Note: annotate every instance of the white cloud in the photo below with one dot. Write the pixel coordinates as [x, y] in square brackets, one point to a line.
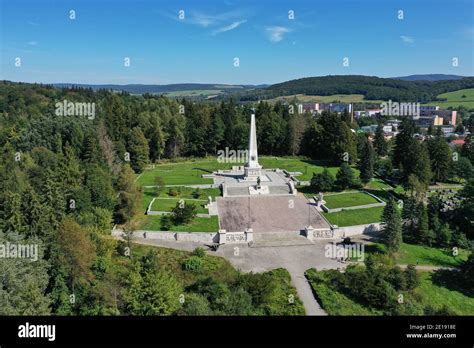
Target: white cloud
[275, 34]
[206, 20]
[32, 43]
[229, 27]
[407, 39]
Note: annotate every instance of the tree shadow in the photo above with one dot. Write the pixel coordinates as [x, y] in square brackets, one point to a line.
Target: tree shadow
[203, 170]
[451, 280]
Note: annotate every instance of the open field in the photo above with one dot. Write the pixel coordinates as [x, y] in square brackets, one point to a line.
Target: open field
[443, 288]
[199, 224]
[342, 98]
[194, 93]
[348, 200]
[355, 217]
[463, 97]
[422, 255]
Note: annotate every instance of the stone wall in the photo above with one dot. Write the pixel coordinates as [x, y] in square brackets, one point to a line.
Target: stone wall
[200, 237]
[348, 231]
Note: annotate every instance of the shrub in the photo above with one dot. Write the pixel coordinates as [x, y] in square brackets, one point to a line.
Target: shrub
[323, 181]
[166, 222]
[199, 252]
[193, 264]
[172, 192]
[184, 214]
[412, 277]
[196, 193]
[121, 247]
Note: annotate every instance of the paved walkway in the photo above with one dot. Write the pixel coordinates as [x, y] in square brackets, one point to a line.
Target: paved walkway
[296, 259]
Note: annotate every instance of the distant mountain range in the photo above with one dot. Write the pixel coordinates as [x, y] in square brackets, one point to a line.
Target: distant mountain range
[206, 88]
[429, 77]
[422, 88]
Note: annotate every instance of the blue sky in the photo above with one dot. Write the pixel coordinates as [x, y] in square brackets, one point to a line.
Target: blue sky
[201, 48]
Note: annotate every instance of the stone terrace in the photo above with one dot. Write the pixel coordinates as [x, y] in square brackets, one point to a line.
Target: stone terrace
[268, 214]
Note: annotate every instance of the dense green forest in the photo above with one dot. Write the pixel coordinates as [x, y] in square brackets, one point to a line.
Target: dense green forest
[66, 179]
[373, 88]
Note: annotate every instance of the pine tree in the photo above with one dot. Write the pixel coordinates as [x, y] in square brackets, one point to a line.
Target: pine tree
[440, 156]
[215, 133]
[139, 150]
[157, 143]
[422, 165]
[423, 233]
[367, 162]
[392, 226]
[380, 145]
[345, 177]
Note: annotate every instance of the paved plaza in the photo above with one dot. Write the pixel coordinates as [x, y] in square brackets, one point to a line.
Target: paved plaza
[268, 214]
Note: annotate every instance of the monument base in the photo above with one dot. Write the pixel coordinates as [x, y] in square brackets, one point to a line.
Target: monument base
[252, 173]
[262, 190]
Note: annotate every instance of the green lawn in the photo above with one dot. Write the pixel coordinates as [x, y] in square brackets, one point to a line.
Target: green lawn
[153, 223]
[377, 184]
[189, 172]
[183, 173]
[455, 99]
[355, 217]
[167, 204]
[442, 288]
[149, 193]
[422, 255]
[294, 164]
[348, 200]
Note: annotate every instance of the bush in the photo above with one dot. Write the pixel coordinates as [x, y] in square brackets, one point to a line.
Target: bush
[412, 278]
[199, 252]
[345, 178]
[172, 192]
[322, 182]
[121, 247]
[195, 304]
[193, 264]
[166, 222]
[184, 213]
[196, 193]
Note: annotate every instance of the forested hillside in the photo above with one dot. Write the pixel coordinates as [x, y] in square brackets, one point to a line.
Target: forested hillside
[373, 88]
[65, 180]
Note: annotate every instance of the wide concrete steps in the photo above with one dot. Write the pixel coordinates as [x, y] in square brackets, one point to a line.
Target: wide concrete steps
[278, 239]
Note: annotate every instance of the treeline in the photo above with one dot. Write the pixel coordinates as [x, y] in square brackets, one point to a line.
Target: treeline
[373, 88]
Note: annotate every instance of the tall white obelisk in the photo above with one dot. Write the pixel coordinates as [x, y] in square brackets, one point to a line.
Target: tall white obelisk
[252, 169]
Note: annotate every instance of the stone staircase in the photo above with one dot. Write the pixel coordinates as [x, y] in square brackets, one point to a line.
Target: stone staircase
[278, 239]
